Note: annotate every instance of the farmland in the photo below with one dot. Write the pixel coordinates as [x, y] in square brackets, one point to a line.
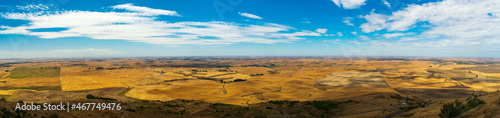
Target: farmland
[331, 86]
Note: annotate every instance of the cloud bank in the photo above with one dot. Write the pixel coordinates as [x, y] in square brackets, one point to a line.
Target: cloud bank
[449, 24]
[140, 24]
[90, 52]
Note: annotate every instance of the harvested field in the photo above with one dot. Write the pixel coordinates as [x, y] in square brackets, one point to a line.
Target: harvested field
[354, 79]
[215, 76]
[485, 69]
[3, 75]
[38, 81]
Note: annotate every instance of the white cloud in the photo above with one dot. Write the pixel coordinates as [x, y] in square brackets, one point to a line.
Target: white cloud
[386, 3]
[4, 27]
[354, 33]
[456, 23]
[349, 4]
[145, 10]
[141, 25]
[408, 39]
[329, 34]
[391, 35]
[321, 30]
[364, 38]
[407, 46]
[61, 53]
[336, 41]
[355, 42]
[33, 7]
[339, 34]
[375, 22]
[250, 15]
[347, 20]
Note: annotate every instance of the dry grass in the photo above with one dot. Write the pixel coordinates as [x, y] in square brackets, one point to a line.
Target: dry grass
[4, 75]
[421, 83]
[354, 79]
[42, 81]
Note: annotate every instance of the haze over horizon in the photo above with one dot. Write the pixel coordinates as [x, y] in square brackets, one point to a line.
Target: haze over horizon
[130, 28]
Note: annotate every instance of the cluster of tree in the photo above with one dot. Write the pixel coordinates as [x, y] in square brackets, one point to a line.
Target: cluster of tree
[254, 65]
[272, 65]
[160, 72]
[90, 96]
[454, 109]
[102, 68]
[324, 105]
[239, 80]
[5, 65]
[257, 74]
[236, 80]
[413, 106]
[194, 70]
[225, 70]
[99, 68]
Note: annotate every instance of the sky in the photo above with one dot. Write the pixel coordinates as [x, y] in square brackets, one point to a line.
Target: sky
[133, 28]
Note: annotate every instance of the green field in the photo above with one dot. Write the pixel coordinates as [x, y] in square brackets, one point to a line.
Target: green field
[27, 72]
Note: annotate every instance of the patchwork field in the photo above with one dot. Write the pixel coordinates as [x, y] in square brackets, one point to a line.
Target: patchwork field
[354, 79]
[253, 81]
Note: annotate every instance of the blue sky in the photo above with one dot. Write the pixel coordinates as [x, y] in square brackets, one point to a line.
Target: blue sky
[128, 28]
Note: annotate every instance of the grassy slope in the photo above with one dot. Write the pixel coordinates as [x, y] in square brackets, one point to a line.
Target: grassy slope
[487, 110]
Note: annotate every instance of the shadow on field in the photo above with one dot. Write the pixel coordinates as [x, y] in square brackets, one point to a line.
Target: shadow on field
[435, 93]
